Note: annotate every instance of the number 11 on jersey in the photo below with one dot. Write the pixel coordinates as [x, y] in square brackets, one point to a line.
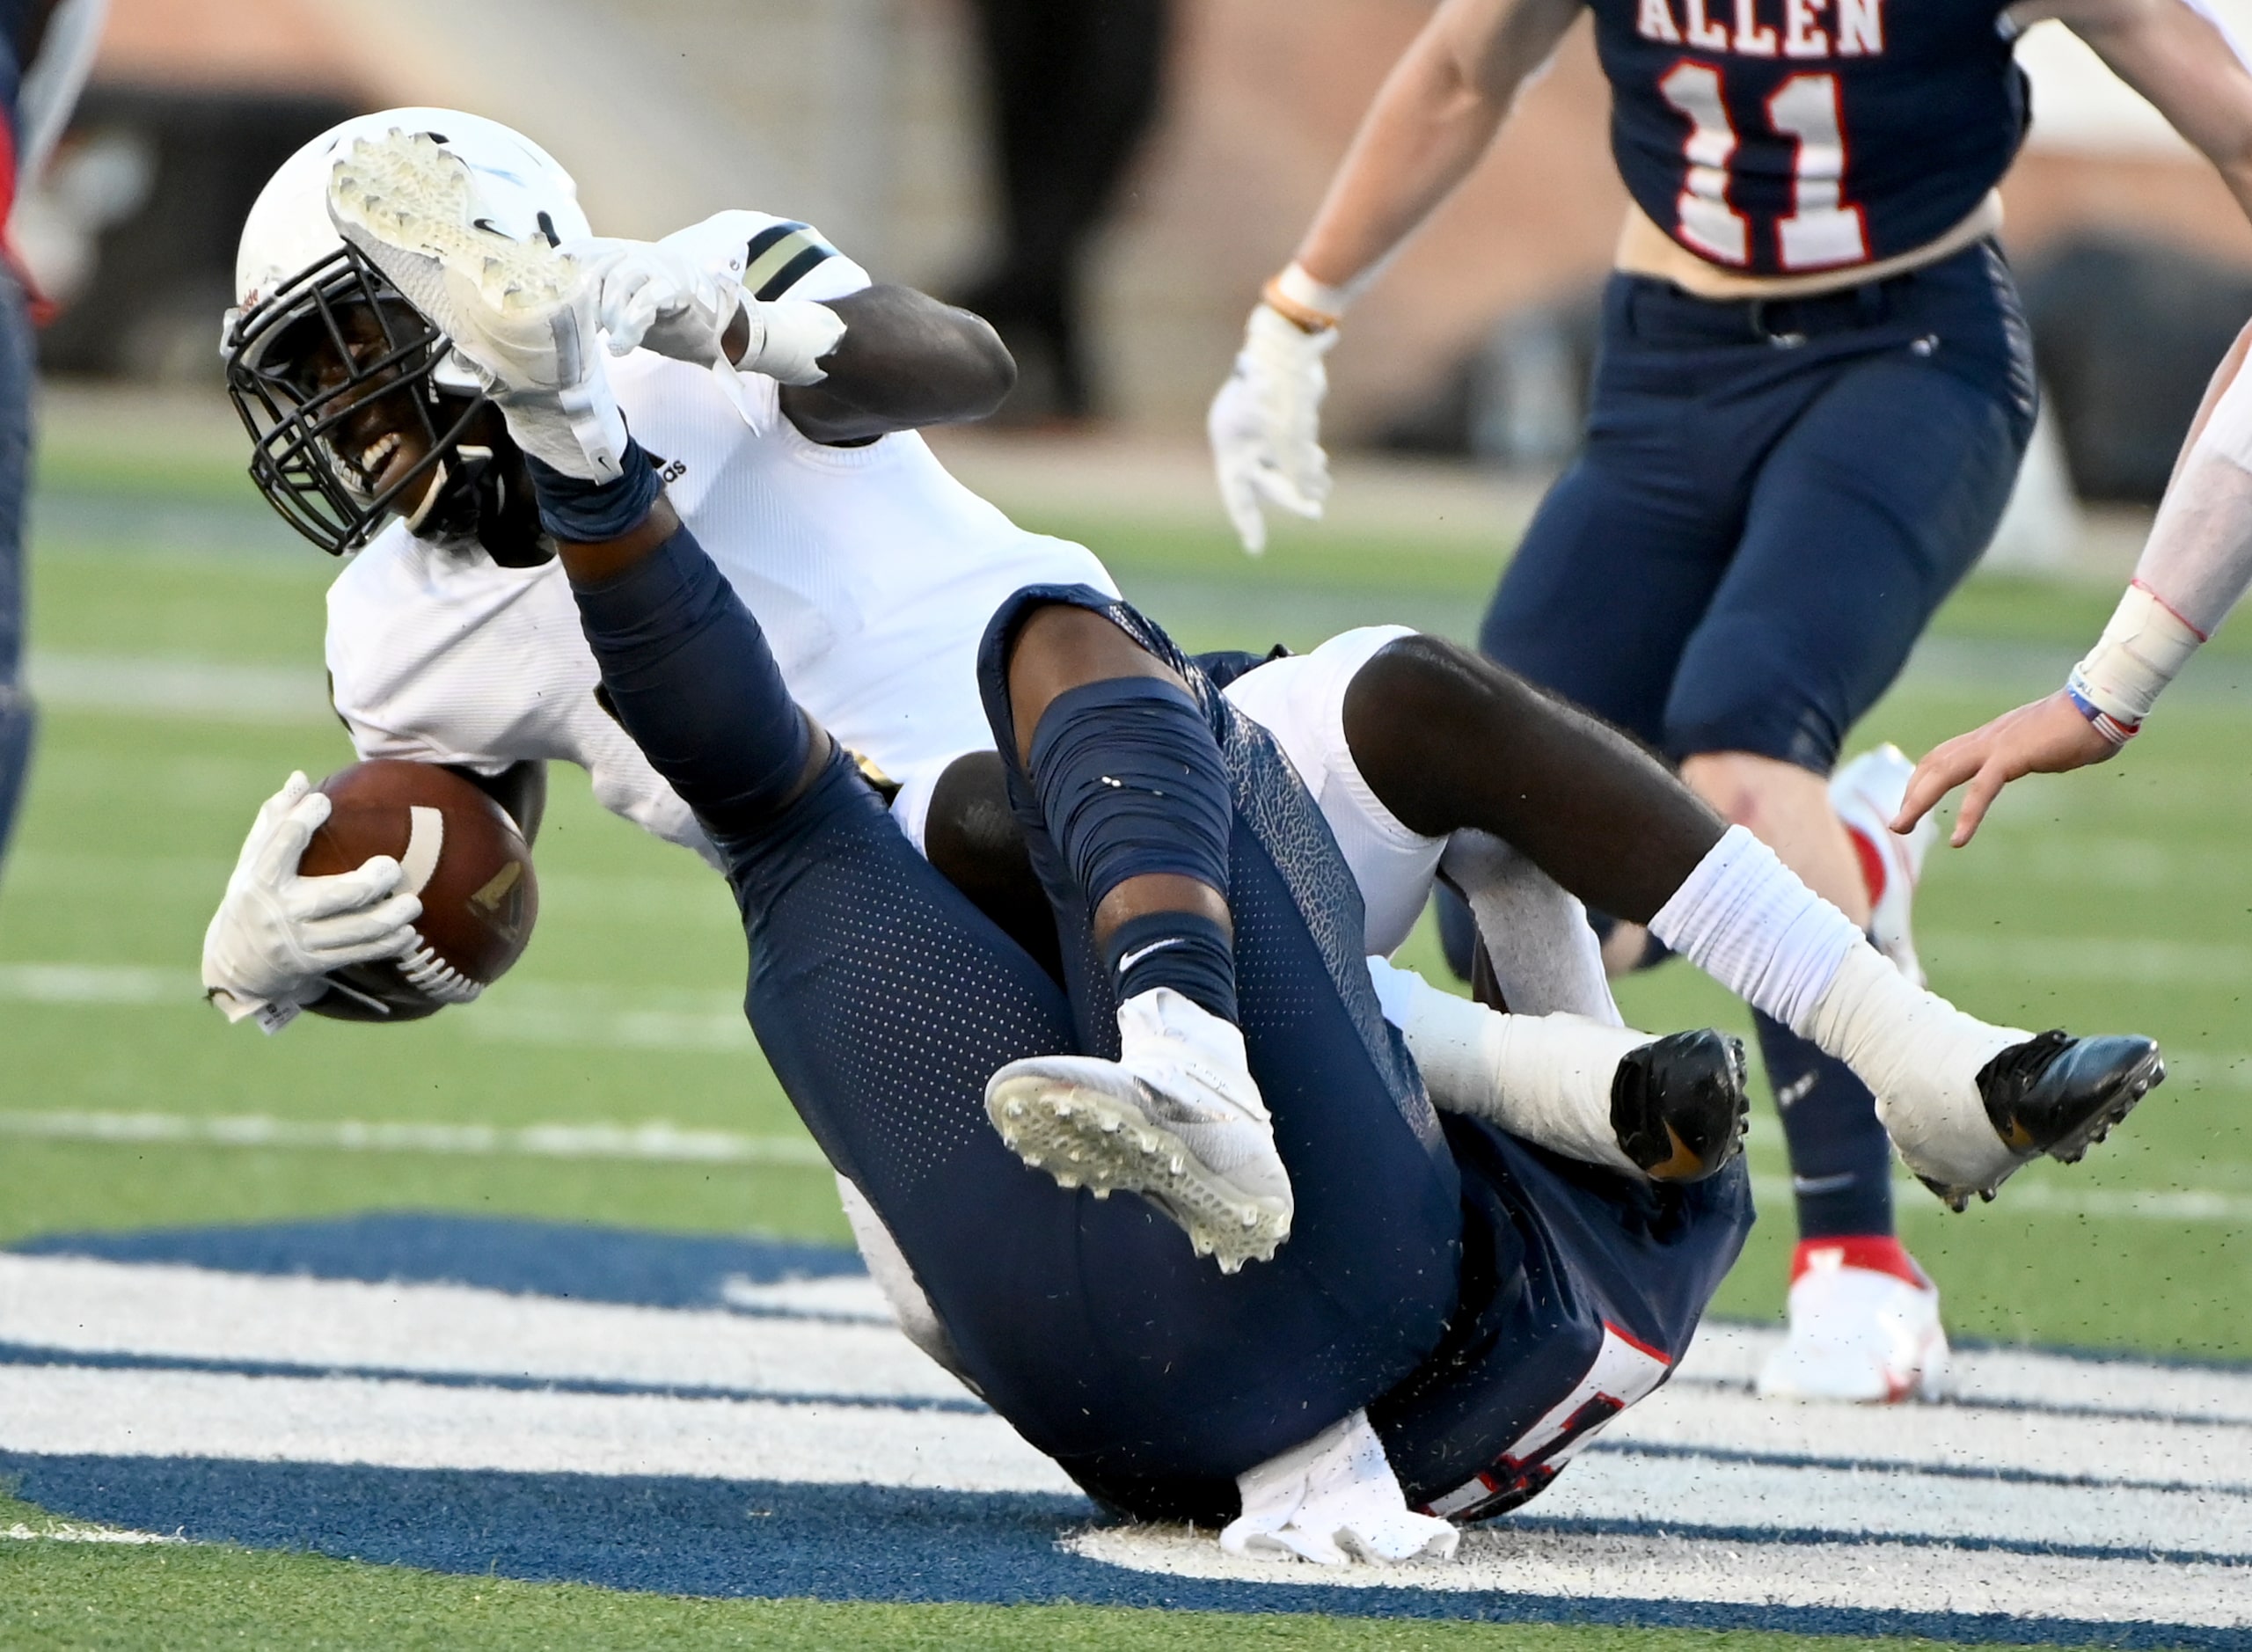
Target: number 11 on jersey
[1823, 230]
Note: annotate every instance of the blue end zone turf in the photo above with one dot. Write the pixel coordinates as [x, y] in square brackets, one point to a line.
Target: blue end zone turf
[154, 1400]
[779, 1541]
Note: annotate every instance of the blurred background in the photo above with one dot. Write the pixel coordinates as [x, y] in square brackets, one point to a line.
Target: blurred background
[1112, 188]
[1197, 136]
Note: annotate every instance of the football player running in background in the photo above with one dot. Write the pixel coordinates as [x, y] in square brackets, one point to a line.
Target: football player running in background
[2195, 567]
[1813, 392]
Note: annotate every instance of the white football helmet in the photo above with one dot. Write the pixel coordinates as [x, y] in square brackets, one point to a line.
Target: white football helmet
[317, 336]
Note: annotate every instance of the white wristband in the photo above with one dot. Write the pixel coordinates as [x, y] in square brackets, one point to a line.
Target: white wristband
[2142, 650]
[1303, 289]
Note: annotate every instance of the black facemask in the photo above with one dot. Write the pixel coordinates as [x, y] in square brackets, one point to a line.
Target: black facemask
[334, 343]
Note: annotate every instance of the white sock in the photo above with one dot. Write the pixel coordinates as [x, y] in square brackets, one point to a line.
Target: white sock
[1544, 1077]
[1750, 923]
[1921, 1056]
[1544, 954]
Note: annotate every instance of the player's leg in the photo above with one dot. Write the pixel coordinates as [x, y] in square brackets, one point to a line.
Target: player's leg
[1116, 767]
[1449, 740]
[1618, 563]
[1867, 513]
[17, 716]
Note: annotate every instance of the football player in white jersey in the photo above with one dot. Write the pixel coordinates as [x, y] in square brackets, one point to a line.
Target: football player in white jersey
[364, 382]
[452, 639]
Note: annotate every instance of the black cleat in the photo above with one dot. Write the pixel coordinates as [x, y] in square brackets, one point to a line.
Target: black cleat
[2057, 1094]
[1679, 1106]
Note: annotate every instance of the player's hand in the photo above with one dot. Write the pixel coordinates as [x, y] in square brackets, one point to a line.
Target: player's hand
[1265, 425]
[277, 933]
[651, 296]
[661, 296]
[2049, 736]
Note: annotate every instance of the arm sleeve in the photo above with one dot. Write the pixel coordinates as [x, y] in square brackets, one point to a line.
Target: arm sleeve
[2198, 559]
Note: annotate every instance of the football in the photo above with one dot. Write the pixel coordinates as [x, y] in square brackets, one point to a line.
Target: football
[462, 854]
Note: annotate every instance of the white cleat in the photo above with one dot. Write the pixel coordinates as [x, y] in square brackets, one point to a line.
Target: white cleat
[1867, 793]
[1864, 1326]
[518, 310]
[1176, 1118]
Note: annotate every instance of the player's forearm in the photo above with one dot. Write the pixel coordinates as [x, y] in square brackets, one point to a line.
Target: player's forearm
[1421, 138]
[906, 361]
[2195, 567]
[1432, 121]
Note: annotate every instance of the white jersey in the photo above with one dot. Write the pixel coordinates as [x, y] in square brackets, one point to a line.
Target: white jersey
[871, 569]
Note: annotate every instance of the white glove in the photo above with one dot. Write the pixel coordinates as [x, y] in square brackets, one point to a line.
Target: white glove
[659, 298]
[1334, 1500]
[276, 934]
[1265, 425]
[668, 296]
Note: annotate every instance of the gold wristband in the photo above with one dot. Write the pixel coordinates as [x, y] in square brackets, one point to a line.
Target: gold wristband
[1305, 318]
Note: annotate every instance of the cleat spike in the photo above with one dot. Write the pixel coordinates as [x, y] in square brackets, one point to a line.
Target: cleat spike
[1101, 1191]
[1065, 1179]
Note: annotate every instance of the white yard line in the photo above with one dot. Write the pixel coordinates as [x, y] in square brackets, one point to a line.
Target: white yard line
[663, 1142]
[1702, 1494]
[72, 1410]
[687, 1020]
[1669, 1570]
[655, 1141]
[87, 1306]
[80, 1410]
[65, 1531]
[208, 690]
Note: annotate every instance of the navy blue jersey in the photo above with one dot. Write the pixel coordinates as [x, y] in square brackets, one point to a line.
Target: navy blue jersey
[1782, 137]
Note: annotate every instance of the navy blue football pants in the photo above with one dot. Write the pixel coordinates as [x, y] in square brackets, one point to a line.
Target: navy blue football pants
[885, 1001]
[1773, 499]
[17, 719]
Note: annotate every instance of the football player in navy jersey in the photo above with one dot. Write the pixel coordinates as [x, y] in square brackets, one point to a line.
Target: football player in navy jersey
[1813, 392]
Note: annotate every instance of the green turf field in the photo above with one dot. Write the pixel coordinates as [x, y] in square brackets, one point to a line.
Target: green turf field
[177, 630]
